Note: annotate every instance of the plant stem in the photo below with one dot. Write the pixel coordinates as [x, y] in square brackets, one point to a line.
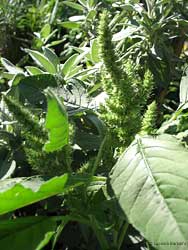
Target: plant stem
[99, 234]
[122, 234]
[99, 155]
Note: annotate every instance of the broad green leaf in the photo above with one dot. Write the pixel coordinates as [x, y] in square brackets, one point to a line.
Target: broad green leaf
[26, 233]
[98, 123]
[42, 61]
[50, 54]
[19, 192]
[149, 181]
[70, 25]
[34, 70]
[74, 5]
[10, 67]
[68, 65]
[56, 123]
[88, 141]
[41, 81]
[31, 87]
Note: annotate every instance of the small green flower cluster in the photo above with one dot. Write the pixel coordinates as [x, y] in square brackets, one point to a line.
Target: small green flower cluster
[150, 120]
[34, 137]
[127, 90]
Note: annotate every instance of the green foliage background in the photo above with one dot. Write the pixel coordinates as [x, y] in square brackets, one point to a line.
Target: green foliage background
[93, 124]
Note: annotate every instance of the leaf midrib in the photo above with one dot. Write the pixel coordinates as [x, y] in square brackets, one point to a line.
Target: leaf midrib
[141, 150]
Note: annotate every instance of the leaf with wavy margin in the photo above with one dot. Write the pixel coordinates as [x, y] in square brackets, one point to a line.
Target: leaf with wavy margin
[19, 192]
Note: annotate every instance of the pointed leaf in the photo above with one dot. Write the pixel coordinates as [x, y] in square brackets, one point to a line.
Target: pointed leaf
[74, 5]
[7, 168]
[124, 33]
[42, 61]
[46, 30]
[149, 181]
[77, 18]
[10, 67]
[56, 123]
[34, 70]
[19, 192]
[31, 87]
[70, 25]
[68, 65]
[50, 54]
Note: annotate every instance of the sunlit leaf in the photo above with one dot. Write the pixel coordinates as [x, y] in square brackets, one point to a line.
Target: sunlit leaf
[42, 61]
[149, 181]
[56, 123]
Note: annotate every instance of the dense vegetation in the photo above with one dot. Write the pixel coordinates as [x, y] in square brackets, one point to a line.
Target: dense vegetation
[94, 125]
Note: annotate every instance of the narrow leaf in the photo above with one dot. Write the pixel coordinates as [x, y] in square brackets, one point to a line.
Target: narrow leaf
[34, 70]
[74, 5]
[124, 34]
[42, 61]
[46, 30]
[54, 11]
[184, 90]
[45, 241]
[77, 18]
[83, 2]
[95, 51]
[50, 54]
[10, 67]
[7, 168]
[70, 25]
[68, 65]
